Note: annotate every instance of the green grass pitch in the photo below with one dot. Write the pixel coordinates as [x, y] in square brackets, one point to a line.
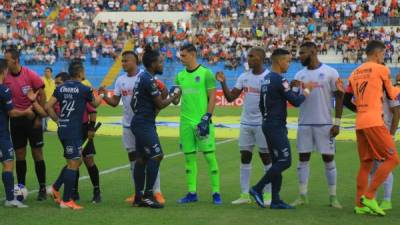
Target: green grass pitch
[116, 185]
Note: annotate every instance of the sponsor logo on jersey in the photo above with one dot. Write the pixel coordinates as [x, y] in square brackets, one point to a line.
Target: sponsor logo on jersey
[64, 89]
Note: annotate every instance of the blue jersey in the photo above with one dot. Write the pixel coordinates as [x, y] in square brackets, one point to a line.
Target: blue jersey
[5, 106]
[72, 97]
[144, 91]
[275, 92]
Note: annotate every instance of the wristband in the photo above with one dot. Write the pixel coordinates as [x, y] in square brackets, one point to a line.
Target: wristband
[337, 122]
[307, 91]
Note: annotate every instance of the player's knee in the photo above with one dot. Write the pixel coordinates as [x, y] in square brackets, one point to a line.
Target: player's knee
[131, 155]
[304, 157]
[265, 158]
[246, 156]
[328, 158]
[89, 161]
[8, 166]
[20, 154]
[158, 158]
[37, 154]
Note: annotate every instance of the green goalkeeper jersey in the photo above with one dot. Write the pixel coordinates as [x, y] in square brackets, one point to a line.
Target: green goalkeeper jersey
[194, 99]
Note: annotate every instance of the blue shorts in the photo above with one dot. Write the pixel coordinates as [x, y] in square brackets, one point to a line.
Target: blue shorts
[72, 148]
[147, 141]
[278, 142]
[6, 149]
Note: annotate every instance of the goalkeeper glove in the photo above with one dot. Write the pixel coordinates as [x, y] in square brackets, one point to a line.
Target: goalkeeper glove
[203, 128]
[174, 90]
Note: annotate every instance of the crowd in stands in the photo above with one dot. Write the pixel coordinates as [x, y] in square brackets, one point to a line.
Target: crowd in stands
[222, 29]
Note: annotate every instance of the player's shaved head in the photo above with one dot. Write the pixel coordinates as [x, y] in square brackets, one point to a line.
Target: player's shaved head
[278, 54]
[259, 51]
[308, 53]
[309, 45]
[75, 69]
[374, 46]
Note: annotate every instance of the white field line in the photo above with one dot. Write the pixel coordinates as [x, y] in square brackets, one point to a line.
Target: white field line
[114, 169]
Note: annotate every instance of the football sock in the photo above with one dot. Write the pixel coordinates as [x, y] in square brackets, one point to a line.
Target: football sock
[20, 167]
[75, 189]
[139, 178]
[380, 175]
[8, 182]
[387, 187]
[157, 184]
[40, 169]
[276, 183]
[191, 171]
[133, 171]
[152, 169]
[94, 176]
[69, 184]
[60, 179]
[330, 173]
[267, 188]
[245, 173]
[303, 173]
[213, 171]
[362, 179]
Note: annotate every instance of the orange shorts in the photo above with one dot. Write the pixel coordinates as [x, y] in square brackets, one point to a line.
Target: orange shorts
[375, 143]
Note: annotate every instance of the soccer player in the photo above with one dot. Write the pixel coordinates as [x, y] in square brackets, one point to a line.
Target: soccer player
[88, 124]
[146, 101]
[72, 97]
[20, 80]
[316, 129]
[6, 148]
[123, 91]
[275, 91]
[196, 129]
[49, 87]
[251, 133]
[391, 116]
[367, 85]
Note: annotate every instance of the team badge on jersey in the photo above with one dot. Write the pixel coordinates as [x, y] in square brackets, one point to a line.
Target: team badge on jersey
[197, 79]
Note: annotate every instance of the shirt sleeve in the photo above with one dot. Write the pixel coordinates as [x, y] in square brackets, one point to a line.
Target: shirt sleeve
[6, 99]
[210, 80]
[289, 95]
[36, 80]
[391, 91]
[239, 83]
[56, 94]
[117, 88]
[151, 87]
[89, 94]
[334, 80]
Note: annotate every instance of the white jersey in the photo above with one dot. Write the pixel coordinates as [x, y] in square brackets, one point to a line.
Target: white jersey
[124, 88]
[316, 109]
[251, 85]
[387, 113]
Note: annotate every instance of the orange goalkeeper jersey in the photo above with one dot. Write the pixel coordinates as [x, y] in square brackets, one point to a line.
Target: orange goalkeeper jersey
[368, 83]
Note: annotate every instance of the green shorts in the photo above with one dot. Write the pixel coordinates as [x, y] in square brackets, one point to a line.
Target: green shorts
[190, 142]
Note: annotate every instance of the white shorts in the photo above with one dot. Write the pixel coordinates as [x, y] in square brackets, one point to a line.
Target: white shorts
[128, 139]
[317, 138]
[250, 136]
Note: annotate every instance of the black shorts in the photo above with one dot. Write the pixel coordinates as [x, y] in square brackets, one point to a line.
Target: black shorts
[23, 130]
[88, 149]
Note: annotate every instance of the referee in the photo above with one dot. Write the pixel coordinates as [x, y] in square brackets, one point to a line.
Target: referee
[20, 80]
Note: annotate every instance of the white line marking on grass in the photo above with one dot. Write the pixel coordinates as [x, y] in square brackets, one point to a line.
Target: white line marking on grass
[114, 169]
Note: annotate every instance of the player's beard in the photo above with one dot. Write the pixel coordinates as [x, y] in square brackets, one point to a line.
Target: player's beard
[306, 62]
[159, 72]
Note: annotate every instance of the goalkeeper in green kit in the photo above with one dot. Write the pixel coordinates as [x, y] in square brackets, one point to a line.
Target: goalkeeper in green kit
[197, 133]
